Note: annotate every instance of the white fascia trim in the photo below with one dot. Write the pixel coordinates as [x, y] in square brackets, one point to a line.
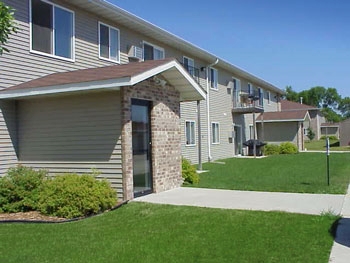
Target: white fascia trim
[289, 120]
[82, 86]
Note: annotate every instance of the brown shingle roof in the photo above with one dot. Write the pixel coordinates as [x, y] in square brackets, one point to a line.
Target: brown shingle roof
[279, 116]
[287, 105]
[92, 74]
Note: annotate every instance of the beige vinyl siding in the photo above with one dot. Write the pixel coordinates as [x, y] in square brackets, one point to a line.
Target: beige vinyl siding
[8, 135]
[73, 134]
[14, 65]
[277, 132]
[189, 112]
[221, 112]
[345, 133]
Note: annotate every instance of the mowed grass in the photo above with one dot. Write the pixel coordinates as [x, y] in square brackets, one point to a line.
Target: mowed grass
[298, 173]
[320, 145]
[140, 232]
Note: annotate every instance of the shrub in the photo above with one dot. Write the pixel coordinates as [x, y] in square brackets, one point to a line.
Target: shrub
[73, 195]
[271, 149]
[311, 134]
[288, 148]
[19, 189]
[189, 173]
[331, 137]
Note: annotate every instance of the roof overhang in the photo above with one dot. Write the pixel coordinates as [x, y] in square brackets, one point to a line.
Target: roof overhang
[171, 71]
[275, 120]
[118, 15]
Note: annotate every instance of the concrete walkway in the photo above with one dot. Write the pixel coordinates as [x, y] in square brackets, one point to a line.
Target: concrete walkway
[313, 204]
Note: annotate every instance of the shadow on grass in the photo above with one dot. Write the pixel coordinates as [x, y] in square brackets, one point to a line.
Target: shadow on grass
[336, 144]
[340, 230]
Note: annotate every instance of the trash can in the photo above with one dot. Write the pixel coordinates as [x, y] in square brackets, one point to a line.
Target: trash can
[258, 147]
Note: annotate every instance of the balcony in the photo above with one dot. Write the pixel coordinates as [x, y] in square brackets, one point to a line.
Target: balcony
[246, 103]
[194, 72]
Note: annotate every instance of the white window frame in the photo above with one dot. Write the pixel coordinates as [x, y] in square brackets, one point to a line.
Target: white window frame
[215, 125]
[188, 59]
[192, 134]
[154, 47]
[72, 59]
[109, 49]
[214, 83]
[268, 97]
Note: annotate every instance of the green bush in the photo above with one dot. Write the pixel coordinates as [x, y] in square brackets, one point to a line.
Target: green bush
[73, 195]
[288, 148]
[331, 137]
[271, 149]
[19, 189]
[189, 173]
[311, 134]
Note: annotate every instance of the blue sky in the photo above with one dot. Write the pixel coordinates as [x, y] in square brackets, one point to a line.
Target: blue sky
[302, 43]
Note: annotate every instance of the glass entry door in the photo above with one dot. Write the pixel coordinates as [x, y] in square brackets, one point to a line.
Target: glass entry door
[238, 140]
[141, 145]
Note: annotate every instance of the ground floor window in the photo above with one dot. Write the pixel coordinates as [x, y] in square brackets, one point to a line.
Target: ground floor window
[215, 132]
[190, 133]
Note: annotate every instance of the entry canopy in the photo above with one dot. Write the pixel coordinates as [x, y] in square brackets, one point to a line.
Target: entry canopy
[110, 77]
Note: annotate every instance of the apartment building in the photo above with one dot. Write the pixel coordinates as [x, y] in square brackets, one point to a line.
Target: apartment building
[89, 85]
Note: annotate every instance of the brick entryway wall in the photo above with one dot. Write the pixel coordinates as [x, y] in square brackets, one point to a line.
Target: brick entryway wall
[166, 135]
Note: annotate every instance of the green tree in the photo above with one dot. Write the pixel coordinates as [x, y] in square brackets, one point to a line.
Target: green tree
[331, 98]
[344, 107]
[331, 115]
[315, 96]
[291, 95]
[7, 25]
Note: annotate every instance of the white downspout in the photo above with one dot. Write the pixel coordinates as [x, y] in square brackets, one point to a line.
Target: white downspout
[208, 109]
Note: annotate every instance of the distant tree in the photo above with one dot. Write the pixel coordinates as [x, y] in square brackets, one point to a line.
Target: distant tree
[7, 25]
[331, 98]
[291, 95]
[344, 107]
[331, 115]
[315, 96]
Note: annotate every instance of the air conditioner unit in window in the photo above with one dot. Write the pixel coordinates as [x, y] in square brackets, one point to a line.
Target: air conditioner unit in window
[135, 53]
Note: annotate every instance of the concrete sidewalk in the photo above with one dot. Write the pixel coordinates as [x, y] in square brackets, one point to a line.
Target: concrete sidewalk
[313, 204]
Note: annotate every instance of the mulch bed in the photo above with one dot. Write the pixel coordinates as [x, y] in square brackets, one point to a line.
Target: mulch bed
[36, 217]
[32, 216]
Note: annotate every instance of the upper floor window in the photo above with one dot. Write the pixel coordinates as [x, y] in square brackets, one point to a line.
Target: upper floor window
[190, 133]
[268, 97]
[109, 42]
[152, 52]
[52, 29]
[261, 96]
[213, 78]
[250, 89]
[189, 65]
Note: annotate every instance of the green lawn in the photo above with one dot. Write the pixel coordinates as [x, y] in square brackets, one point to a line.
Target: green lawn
[140, 232]
[300, 173]
[320, 145]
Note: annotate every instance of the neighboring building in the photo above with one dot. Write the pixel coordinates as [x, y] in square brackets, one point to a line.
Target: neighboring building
[284, 126]
[344, 128]
[316, 117]
[76, 95]
[330, 129]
